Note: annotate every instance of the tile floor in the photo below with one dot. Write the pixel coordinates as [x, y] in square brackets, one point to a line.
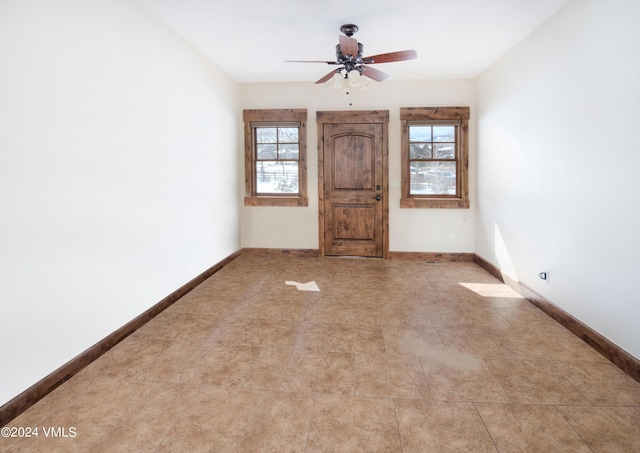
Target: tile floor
[389, 356]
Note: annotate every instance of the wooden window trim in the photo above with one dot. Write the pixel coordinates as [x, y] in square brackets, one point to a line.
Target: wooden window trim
[274, 116]
[416, 114]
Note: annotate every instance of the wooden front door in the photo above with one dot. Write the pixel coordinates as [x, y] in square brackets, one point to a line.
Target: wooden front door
[353, 183]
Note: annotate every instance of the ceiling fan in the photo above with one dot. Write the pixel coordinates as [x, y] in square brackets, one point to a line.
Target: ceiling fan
[349, 58]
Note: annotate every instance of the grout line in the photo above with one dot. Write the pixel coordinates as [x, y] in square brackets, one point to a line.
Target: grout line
[395, 411]
[309, 425]
[572, 427]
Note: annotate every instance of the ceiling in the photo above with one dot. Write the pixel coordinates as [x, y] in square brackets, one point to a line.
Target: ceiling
[250, 40]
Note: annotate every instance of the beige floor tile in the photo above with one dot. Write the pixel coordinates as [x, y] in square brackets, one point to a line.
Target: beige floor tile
[174, 325]
[390, 375]
[280, 307]
[530, 428]
[427, 426]
[602, 383]
[606, 429]
[258, 332]
[365, 339]
[475, 341]
[55, 401]
[269, 369]
[128, 359]
[528, 317]
[228, 366]
[331, 372]
[351, 311]
[474, 315]
[535, 382]
[207, 301]
[530, 345]
[558, 345]
[174, 364]
[410, 313]
[469, 379]
[353, 424]
[112, 415]
[577, 350]
[311, 336]
[241, 420]
[420, 340]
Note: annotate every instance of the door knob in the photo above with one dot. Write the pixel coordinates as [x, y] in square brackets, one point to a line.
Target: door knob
[378, 197]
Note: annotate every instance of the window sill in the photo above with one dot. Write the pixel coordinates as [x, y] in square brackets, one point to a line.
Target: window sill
[444, 203]
[276, 201]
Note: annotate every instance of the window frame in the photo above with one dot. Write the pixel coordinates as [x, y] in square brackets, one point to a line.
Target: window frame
[272, 118]
[458, 116]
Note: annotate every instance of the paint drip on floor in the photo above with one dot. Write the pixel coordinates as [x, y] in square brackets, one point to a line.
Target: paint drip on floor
[309, 286]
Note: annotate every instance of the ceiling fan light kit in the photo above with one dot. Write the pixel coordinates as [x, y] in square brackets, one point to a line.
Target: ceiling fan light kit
[349, 57]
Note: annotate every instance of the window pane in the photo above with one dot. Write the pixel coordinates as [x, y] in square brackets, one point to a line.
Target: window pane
[417, 178]
[276, 177]
[288, 135]
[420, 151]
[288, 151]
[266, 135]
[420, 133]
[267, 151]
[444, 133]
[434, 178]
[445, 150]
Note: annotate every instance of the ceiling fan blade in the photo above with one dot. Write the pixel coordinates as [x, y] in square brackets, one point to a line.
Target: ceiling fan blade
[391, 57]
[349, 46]
[327, 77]
[374, 74]
[311, 61]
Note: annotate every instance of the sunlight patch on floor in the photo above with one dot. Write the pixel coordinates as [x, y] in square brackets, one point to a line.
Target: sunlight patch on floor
[492, 290]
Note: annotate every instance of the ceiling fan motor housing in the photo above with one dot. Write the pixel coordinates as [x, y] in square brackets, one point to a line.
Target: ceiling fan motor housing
[342, 59]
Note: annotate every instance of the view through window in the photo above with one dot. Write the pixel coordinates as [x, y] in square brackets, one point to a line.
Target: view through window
[435, 157]
[275, 142]
[432, 158]
[277, 154]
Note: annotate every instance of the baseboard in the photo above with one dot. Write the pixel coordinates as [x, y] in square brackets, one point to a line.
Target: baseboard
[404, 256]
[615, 354]
[39, 390]
[487, 266]
[432, 257]
[300, 253]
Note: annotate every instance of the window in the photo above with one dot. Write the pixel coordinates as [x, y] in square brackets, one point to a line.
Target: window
[275, 144]
[435, 157]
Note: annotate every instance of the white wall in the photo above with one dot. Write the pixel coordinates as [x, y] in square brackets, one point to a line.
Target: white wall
[558, 162]
[417, 230]
[118, 147]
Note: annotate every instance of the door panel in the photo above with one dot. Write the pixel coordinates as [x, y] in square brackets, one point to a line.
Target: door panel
[352, 189]
[353, 162]
[353, 222]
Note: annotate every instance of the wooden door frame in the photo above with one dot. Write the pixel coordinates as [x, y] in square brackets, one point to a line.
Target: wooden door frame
[361, 117]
